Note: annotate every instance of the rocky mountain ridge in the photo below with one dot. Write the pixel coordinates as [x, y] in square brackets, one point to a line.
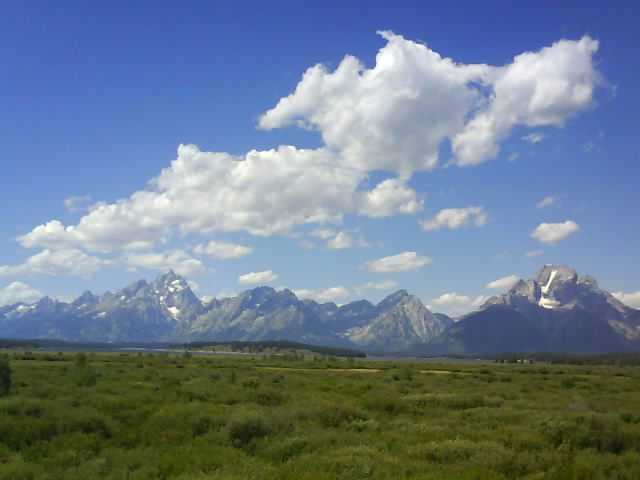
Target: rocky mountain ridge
[557, 310]
[166, 309]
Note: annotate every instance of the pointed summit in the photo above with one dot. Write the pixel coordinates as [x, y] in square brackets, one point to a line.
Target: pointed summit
[87, 299]
[169, 282]
[555, 273]
[393, 299]
[134, 288]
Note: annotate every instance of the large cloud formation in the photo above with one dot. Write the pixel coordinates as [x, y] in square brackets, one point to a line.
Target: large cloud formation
[264, 193]
[394, 116]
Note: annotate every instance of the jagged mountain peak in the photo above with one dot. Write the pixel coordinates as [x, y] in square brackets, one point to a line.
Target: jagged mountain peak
[587, 281]
[265, 297]
[557, 310]
[134, 288]
[393, 299]
[555, 273]
[169, 282]
[45, 302]
[86, 299]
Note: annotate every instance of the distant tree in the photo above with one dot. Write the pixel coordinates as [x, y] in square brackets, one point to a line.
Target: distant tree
[5, 375]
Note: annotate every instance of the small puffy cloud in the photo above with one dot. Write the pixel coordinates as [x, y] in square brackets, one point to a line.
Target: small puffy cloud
[402, 262]
[513, 157]
[257, 277]
[533, 253]
[18, 292]
[388, 198]
[341, 240]
[533, 137]
[552, 233]
[67, 262]
[454, 303]
[331, 294]
[546, 201]
[631, 299]
[177, 260]
[223, 250]
[75, 204]
[504, 283]
[455, 218]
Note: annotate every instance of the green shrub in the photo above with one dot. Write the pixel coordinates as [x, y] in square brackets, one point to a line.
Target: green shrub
[5, 375]
[243, 430]
[81, 360]
[270, 398]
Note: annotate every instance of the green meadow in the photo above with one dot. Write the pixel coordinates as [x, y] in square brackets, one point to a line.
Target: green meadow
[181, 416]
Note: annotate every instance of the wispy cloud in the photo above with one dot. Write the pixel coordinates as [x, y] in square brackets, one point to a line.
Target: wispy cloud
[266, 276]
[402, 262]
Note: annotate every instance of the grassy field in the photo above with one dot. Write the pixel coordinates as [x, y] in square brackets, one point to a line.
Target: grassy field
[130, 416]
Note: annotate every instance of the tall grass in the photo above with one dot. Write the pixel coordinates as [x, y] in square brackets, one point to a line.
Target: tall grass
[187, 417]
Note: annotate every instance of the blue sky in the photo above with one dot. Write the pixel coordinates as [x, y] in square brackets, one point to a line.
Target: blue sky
[460, 145]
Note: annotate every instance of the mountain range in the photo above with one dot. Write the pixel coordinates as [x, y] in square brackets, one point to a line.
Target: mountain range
[557, 310]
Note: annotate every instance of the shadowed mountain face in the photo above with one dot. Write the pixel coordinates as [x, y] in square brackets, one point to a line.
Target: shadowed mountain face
[167, 310]
[557, 310]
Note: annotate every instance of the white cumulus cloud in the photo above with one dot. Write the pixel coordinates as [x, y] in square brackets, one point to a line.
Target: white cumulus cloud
[402, 262]
[632, 299]
[552, 233]
[18, 292]
[341, 240]
[257, 277]
[331, 294]
[504, 283]
[455, 218]
[262, 193]
[67, 262]
[395, 115]
[223, 250]
[542, 88]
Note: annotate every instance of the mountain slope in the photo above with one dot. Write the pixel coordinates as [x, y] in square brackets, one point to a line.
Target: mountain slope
[557, 310]
[401, 322]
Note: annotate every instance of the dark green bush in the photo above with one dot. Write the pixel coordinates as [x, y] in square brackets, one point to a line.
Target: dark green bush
[243, 430]
[5, 375]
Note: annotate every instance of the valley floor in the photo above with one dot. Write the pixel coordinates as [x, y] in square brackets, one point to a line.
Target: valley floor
[143, 416]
